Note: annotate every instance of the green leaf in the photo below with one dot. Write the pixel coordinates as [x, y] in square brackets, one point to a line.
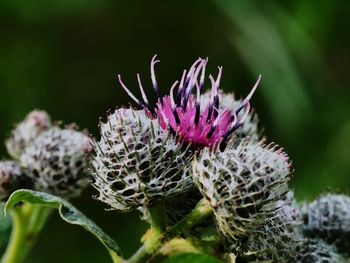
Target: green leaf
[68, 213]
[193, 258]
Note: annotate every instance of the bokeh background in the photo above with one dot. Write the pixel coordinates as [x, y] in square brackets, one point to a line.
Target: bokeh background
[63, 56]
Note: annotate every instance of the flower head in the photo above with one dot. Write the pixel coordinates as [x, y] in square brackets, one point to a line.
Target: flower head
[56, 160]
[243, 184]
[246, 185]
[136, 162]
[185, 114]
[145, 154]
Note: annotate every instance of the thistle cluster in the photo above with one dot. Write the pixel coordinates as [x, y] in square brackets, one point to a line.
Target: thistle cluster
[195, 144]
[194, 163]
[46, 158]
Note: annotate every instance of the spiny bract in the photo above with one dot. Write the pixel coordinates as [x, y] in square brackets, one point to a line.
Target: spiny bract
[136, 162]
[57, 161]
[328, 217]
[12, 178]
[26, 131]
[242, 183]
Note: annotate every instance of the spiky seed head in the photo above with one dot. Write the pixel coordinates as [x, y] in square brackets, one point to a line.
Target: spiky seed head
[228, 101]
[26, 131]
[328, 217]
[275, 241]
[318, 251]
[136, 162]
[57, 161]
[242, 183]
[12, 178]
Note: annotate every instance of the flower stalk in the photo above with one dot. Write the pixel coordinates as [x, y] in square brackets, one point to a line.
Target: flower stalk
[202, 211]
[157, 213]
[28, 221]
[153, 241]
[158, 236]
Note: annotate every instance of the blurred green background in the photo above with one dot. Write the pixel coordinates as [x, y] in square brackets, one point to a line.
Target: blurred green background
[63, 56]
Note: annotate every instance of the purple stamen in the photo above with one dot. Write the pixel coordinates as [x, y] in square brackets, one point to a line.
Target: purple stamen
[210, 111]
[211, 131]
[176, 115]
[139, 103]
[181, 86]
[219, 76]
[216, 106]
[246, 113]
[244, 102]
[153, 77]
[235, 123]
[192, 83]
[184, 115]
[215, 98]
[143, 94]
[201, 81]
[197, 104]
[215, 124]
[189, 77]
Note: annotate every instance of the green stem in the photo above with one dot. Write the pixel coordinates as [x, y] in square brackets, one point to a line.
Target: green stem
[158, 215]
[197, 215]
[27, 221]
[158, 237]
[153, 242]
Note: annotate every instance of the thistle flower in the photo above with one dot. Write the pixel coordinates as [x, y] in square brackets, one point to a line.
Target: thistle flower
[56, 160]
[184, 113]
[128, 172]
[328, 217]
[316, 251]
[12, 178]
[26, 131]
[243, 184]
[136, 162]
